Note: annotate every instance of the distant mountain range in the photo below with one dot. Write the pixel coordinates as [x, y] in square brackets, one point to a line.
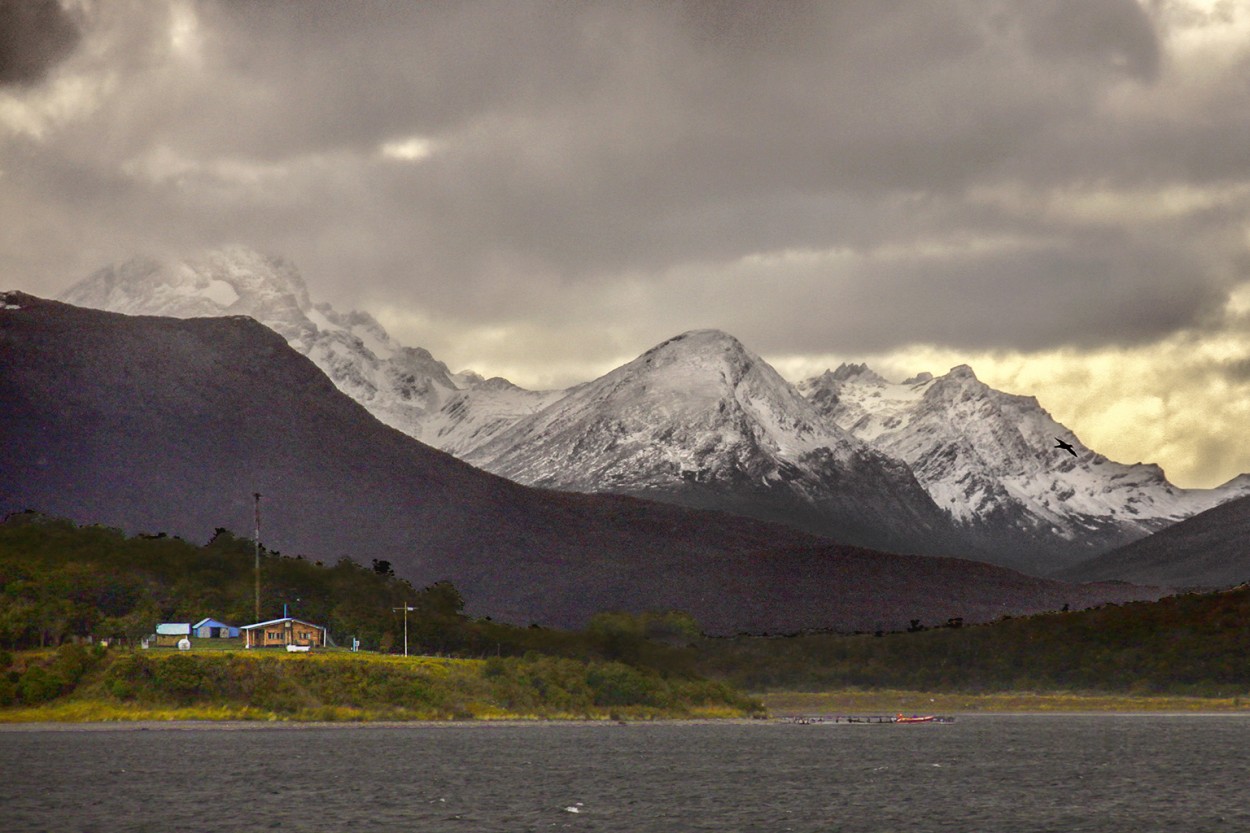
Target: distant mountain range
[935, 465]
[989, 459]
[164, 425]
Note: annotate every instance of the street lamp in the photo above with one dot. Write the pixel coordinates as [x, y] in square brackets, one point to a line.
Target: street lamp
[405, 609]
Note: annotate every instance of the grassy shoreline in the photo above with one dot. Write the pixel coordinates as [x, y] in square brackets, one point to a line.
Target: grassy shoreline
[73, 684]
[91, 710]
[891, 701]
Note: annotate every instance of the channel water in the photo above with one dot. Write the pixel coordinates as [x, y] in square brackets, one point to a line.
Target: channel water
[1002, 773]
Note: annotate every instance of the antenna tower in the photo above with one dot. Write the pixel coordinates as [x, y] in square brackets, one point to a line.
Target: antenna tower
[256, 539]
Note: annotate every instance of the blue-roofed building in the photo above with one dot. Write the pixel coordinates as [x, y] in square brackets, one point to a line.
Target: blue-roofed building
[212, 629]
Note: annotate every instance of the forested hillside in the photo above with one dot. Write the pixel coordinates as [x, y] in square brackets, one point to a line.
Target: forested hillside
[1193, 644]
[59, 582]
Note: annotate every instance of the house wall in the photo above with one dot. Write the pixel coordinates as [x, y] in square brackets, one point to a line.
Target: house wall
[222, 632]
[280, 634]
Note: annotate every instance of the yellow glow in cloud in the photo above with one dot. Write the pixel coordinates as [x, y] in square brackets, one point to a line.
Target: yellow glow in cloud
[185, 37]
[1183, 402]
[412, 149]
[67, 99]
[523, 352]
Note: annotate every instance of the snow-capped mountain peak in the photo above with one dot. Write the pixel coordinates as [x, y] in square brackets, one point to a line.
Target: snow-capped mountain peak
[860, 372]
[233, 280]
[699, 419]
[704, 384]
[399, 385]
[405, 387]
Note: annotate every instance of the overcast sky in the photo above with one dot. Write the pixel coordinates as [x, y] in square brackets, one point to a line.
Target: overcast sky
[1056, 193]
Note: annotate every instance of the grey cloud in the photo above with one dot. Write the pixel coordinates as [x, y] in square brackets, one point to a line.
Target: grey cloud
[585, 144]
[1234, 370]
[35, 36]
[1119, 34]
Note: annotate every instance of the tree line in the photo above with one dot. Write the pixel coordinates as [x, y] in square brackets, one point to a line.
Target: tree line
[60, 582]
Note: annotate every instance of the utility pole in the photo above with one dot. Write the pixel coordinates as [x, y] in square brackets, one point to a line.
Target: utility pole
[405, 609]
[256, 539]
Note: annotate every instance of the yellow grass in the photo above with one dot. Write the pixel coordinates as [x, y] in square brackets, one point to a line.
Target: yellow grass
[856, 701]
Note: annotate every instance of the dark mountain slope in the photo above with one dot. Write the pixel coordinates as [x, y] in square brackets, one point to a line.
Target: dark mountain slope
[1208, 550]
[170, 425]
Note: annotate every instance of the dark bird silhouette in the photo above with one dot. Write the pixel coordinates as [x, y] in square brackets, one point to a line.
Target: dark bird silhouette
[1065, 446]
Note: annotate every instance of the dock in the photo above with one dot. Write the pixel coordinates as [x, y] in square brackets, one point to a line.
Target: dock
[816, 719]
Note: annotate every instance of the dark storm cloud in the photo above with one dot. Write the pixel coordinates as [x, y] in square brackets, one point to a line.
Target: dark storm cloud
[630, 137]
[35, 35]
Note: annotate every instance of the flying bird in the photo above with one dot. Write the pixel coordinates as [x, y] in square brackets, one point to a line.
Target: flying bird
[1065, 446]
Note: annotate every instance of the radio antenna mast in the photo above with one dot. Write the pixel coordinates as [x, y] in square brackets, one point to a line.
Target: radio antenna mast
[256, 539]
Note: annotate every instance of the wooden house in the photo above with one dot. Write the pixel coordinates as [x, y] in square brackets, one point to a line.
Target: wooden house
[285, 631]
[212, 629]
[169, 634]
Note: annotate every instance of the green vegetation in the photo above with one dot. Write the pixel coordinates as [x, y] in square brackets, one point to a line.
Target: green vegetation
[61, 584]
[1195, 645]
[76, 683]
[62, 581]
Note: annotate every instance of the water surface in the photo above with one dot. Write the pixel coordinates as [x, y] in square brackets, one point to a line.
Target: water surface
[1181, 774]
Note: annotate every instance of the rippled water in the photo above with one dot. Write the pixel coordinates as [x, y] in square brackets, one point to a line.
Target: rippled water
[1001, 773]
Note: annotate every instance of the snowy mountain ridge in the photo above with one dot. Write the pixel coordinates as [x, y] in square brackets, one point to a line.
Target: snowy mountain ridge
[933, 464]
[404, 387]
[989, 459]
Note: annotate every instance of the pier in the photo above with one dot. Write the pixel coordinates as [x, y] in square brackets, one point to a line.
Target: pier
[815, 719]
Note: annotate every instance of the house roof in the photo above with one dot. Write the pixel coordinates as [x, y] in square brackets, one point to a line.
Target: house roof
[279, 621]
[173, 629]
[211, 622]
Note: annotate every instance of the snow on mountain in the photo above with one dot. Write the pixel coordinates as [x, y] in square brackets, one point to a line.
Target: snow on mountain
[700, 420]
[989, 459]
[404, 387]
[471, 417]
[937, 465]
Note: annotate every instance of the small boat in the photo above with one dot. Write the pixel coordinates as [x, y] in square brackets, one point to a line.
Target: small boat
[916, 718]
[293, 647]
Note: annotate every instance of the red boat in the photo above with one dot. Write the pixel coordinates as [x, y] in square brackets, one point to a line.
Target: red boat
[928, 718]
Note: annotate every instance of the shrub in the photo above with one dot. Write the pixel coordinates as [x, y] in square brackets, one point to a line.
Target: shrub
[38, 685]
[178, 676]
[616, 684]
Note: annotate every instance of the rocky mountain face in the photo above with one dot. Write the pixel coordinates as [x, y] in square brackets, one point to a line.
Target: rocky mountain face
[701, 421]
[990, 460]
[164, 425]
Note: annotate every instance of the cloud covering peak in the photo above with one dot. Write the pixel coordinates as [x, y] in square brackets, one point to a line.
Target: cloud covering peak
[540, 189]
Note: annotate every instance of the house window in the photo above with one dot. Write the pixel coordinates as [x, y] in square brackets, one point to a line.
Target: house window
[273, 635]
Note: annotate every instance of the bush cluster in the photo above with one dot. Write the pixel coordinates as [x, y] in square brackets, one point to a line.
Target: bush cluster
[1193, 644]
[44, 676]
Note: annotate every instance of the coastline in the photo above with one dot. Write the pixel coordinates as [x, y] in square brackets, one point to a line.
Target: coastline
[854, 701]
[781, 706]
